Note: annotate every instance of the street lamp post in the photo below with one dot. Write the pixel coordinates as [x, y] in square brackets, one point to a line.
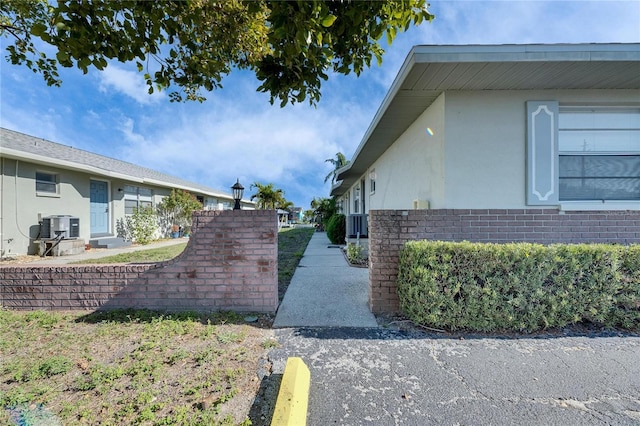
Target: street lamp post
[237, 194]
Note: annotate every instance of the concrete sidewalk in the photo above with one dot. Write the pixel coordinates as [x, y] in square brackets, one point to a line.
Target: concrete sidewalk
[100, 253]
[325, 291]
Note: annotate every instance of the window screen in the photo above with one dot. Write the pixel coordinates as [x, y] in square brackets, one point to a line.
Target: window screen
[599, 154]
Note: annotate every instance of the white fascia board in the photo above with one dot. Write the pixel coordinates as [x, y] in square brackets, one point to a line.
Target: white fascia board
[528, 53]
[65, 164]
[187, 188]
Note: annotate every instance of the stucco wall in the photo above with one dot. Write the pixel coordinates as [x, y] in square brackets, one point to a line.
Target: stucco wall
[476, 157]
[485, 161]
[230, 263]
[413, 167]
[21, 204]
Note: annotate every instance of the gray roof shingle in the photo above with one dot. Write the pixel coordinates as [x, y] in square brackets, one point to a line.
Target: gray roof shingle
[29, 147]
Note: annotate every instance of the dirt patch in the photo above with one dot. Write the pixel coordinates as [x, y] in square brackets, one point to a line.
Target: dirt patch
[135, 367]
[20, 259]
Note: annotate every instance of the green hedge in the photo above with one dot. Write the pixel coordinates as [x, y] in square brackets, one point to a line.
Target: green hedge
[519, 286]
[336, 228]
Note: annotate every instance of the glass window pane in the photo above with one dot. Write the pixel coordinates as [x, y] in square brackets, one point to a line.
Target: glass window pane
[600, 166]
[46, 182]
[599, 177]
[600, 119]
[144, 192]
[45, 177]
[599, 141]
[46, 187]
[579, 189]
[130, 206]
[128, 189]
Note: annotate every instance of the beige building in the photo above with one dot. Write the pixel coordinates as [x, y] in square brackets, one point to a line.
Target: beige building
[502, 127]
[48, 188]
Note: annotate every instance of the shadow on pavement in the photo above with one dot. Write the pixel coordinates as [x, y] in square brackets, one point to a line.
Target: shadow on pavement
[261, 411]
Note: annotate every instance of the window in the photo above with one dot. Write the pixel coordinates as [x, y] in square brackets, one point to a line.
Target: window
[136, 197]
[599, 153]
[46, 182]
[372, 181]
[356, 199]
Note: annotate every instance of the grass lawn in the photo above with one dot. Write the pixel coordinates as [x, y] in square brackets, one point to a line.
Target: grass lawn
[141, 256]
[139, 367]
[291, 245]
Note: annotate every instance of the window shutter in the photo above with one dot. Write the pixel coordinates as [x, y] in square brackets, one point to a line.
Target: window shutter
[542, 153]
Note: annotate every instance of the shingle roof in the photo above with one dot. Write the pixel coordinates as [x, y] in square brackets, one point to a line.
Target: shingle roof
[18, 145]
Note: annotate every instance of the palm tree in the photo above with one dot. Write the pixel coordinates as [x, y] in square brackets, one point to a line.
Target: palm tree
[338, 162]
[286, 205]
[267, 196]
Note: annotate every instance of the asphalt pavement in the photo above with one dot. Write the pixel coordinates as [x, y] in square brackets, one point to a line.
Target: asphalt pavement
[387, 377]
[383, 375]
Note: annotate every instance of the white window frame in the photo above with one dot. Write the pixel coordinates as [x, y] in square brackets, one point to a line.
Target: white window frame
[356, 199]
[372, 182]
[142, 196]
[572, 205]
[55, 183]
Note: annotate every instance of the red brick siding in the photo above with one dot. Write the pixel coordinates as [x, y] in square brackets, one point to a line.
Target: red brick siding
[390, 229]
[230, 263]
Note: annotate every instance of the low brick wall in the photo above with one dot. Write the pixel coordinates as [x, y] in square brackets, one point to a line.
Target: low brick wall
[390, 229]
[230, 263]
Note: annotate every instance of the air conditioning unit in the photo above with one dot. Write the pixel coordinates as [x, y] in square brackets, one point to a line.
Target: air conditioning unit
[65, 225]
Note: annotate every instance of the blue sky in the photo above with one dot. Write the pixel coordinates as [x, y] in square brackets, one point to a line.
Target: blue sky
[236, 133]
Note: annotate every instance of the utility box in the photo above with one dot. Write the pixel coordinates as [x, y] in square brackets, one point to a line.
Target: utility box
[60, 226]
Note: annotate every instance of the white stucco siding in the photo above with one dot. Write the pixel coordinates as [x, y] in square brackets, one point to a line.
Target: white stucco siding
[485, 160]
[485, 149]
[412, 168]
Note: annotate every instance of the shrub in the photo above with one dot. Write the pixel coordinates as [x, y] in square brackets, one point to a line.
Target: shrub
[627, 299]
[142, 225]
[519, 286]
[354, 252]
[337, 228]
[177, 209]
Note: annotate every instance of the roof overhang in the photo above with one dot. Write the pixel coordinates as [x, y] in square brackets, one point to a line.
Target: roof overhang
[428, 71]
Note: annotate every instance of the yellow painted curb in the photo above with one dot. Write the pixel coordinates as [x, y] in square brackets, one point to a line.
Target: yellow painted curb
[293, 397]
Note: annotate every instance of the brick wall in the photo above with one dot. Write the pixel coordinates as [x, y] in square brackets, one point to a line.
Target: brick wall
[230, 263]
[390, 229]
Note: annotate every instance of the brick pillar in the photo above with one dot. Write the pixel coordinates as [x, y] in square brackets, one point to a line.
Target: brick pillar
[385, 242]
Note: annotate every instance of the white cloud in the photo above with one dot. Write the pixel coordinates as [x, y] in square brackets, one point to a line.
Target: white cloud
[224, 139]
[129, 83]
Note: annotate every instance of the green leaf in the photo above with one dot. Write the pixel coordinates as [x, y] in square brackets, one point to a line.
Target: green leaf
[328, 21]
[38, 29]
[62, 56]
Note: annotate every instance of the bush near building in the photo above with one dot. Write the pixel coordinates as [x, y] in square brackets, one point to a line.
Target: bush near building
[337, 228]
[519, 286]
